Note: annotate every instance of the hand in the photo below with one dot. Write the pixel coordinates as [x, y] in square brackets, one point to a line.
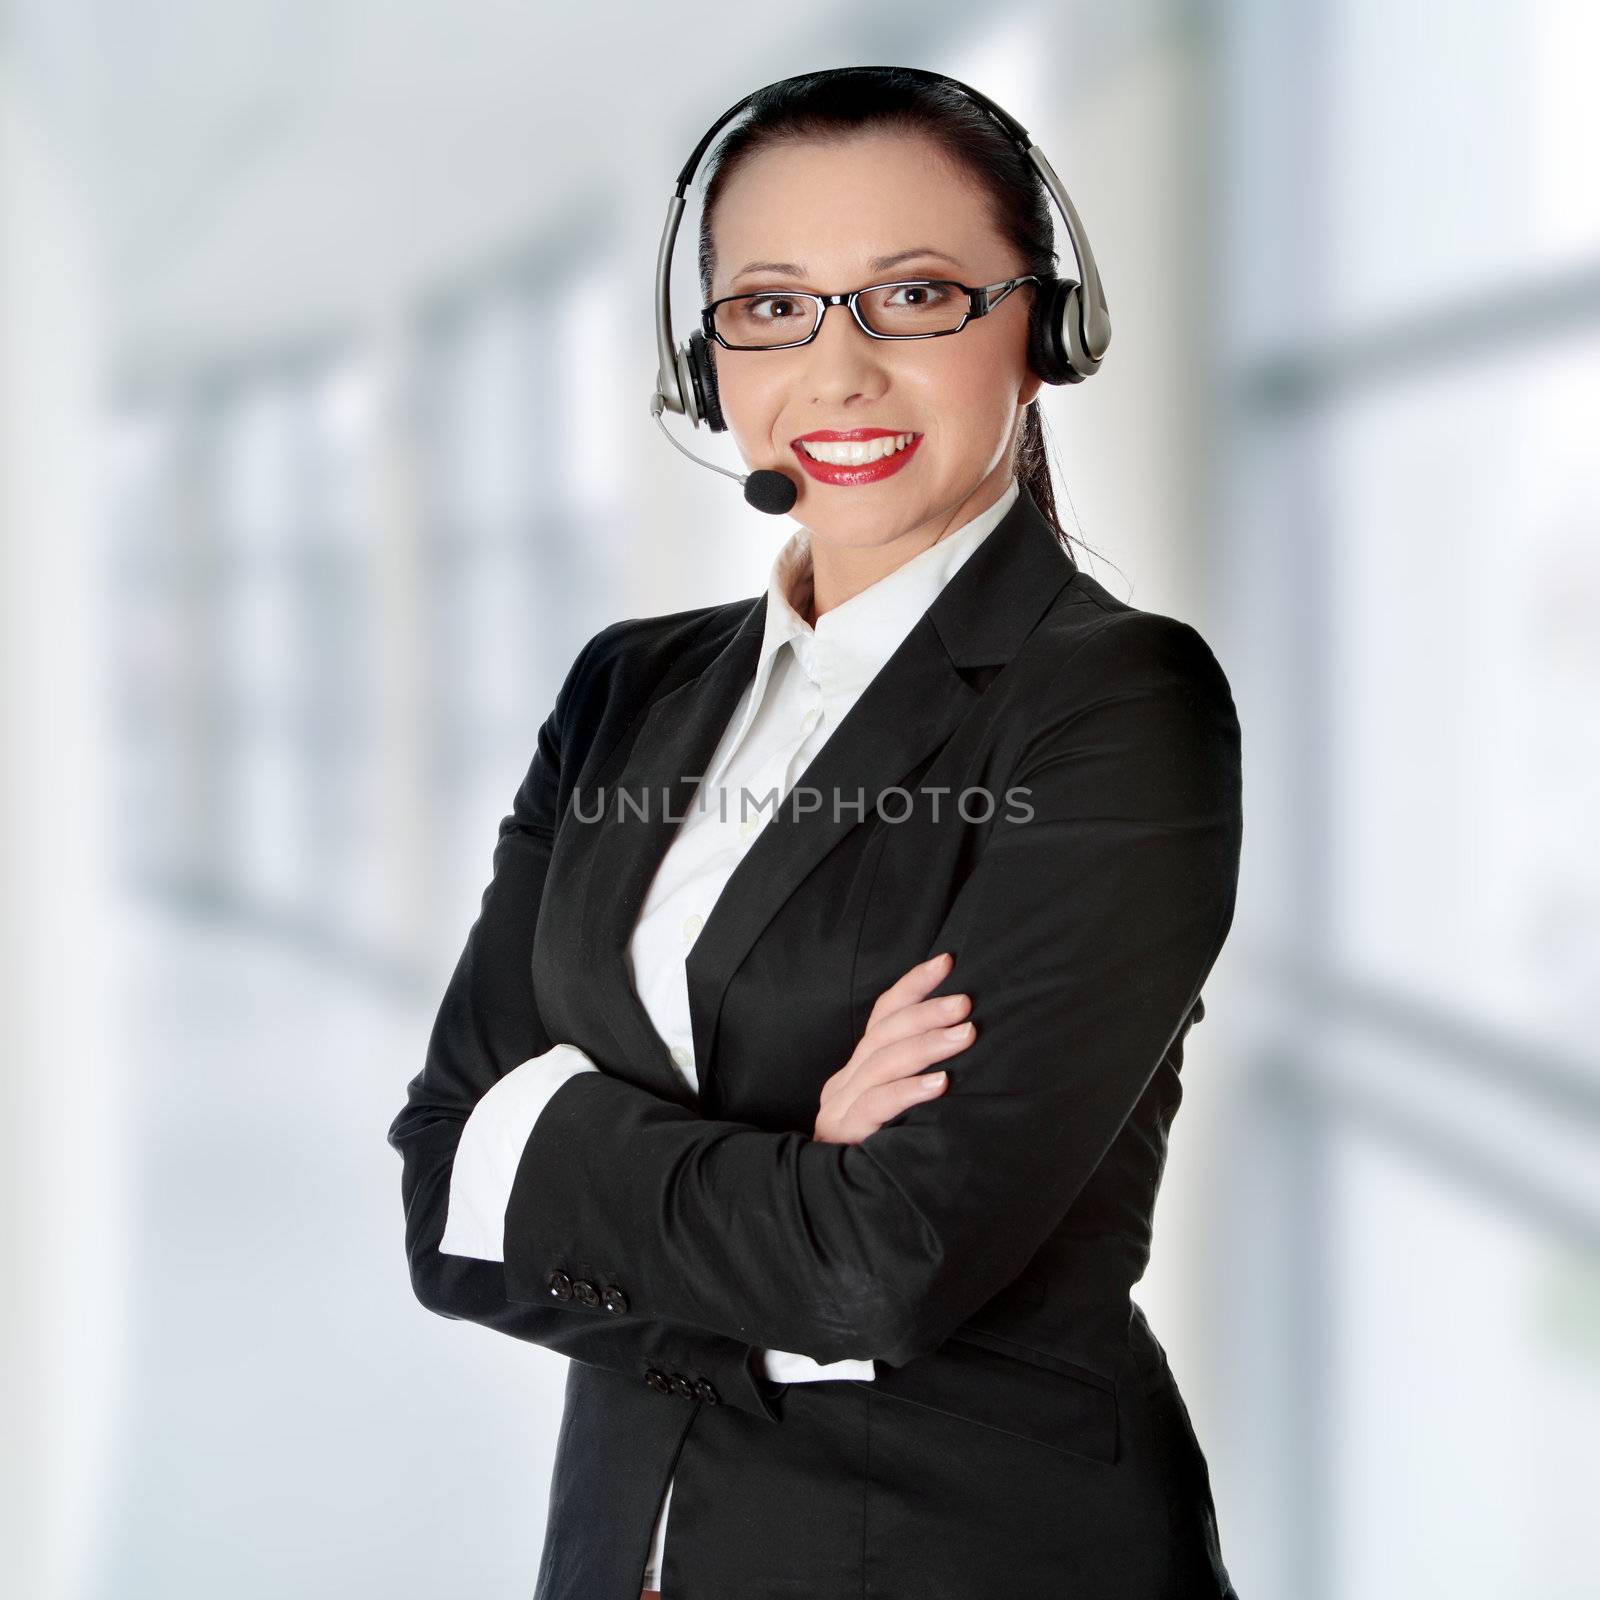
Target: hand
[884, 1076]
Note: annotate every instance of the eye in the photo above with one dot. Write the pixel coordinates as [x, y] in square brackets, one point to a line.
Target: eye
[918, 296]
[771, 307]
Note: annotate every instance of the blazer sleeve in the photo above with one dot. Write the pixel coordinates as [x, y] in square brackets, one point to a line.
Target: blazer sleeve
[487, 1024]
[490, 1146]
[485, 1168]
[1083, 934]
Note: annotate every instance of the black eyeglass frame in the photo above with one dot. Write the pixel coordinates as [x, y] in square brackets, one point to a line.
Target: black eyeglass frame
[981, 300]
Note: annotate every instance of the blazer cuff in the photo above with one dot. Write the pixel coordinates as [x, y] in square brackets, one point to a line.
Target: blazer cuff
[492, 1141]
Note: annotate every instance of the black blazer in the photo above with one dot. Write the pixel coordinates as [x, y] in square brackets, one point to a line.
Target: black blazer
[1024, 1436]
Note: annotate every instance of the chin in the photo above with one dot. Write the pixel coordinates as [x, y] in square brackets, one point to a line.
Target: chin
[863, 530]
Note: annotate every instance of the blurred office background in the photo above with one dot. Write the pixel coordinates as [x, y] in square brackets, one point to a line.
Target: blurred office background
[325, 346]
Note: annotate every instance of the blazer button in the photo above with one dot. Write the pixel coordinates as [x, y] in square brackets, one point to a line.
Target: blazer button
[585, 1291]
[706, 1392]
[614, 1299]
[681, 1385]
[560, 1285]
[658, 1380]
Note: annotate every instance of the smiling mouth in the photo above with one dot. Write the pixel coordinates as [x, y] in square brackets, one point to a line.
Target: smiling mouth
[855, 452]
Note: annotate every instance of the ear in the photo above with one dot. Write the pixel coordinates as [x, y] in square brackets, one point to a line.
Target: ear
[1032, 383]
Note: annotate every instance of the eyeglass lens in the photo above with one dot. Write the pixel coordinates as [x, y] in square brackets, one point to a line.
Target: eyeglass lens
[896, 310]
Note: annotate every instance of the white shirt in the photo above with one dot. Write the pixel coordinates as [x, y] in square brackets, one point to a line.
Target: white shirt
[805, 681]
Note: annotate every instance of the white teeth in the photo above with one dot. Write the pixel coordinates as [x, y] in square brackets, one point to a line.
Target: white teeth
[850, 453]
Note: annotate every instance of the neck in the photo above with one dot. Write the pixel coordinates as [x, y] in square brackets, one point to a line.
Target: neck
[840, 572]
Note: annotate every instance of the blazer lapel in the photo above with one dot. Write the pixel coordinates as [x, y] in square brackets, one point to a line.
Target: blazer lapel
[645, 802]
[908, 711]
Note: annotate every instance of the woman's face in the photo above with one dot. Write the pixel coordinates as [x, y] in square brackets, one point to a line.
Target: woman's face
[832, 211]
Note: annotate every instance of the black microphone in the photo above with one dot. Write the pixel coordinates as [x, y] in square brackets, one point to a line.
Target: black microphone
[771, 491]
[766, 488]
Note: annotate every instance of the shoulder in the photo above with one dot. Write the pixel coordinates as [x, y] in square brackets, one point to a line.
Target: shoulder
[625, 660]
[1090, 642]
[1115, 690]
[639, 648]
[642, 640]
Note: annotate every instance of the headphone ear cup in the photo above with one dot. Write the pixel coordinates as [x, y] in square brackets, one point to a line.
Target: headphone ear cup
[1049, 350]
[703, 372]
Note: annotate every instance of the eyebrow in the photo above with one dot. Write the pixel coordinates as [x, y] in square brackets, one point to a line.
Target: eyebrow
[789, 269]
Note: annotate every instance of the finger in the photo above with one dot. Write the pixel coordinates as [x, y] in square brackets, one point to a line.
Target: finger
[906, 992]
[904, 1058]
[902, 1000]
[874, 1061]
[921, 1016]
[895, 1051]
[913, 985]
[885, 1102]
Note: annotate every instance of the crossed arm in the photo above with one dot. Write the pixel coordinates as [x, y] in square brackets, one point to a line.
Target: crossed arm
[487, 1023]
[485, 1169]
[1083, 935]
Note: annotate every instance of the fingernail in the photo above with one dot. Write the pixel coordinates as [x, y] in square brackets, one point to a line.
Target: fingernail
[935, 960]
[930, 1082]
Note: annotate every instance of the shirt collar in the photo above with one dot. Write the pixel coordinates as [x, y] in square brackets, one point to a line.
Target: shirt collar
[850, 644]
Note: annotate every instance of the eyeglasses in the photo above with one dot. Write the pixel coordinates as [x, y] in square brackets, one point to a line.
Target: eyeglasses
[913, 308]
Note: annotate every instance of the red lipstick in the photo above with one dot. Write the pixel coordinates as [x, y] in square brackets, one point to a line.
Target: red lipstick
[868, 472]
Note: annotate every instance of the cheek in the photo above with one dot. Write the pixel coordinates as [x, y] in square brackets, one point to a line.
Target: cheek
[749, 394]
[968, 390]
[985, 364]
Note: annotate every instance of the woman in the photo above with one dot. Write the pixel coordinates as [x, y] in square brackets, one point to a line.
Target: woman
[875, 1216]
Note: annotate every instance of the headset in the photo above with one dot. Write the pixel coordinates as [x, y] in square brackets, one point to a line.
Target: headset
[1069, 326]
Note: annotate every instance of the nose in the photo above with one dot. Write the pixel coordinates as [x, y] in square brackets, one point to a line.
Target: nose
[844, 359]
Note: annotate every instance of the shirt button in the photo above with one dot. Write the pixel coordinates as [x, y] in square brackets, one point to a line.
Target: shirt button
[809, 720]
[681, 1057]
[692, 925]
[748, 826]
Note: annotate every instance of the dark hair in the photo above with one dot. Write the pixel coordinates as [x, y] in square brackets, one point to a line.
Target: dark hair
[838, 107]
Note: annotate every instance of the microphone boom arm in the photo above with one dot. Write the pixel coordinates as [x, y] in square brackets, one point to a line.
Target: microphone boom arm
[656, 406]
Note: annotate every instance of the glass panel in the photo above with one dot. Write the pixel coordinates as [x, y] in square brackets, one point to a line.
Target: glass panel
[1465, 1390]
[1465, 757]
[1384, 162]
[1458, 157]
